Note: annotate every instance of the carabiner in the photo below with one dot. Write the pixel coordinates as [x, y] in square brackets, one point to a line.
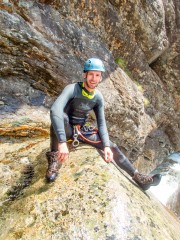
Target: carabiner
[75, 142]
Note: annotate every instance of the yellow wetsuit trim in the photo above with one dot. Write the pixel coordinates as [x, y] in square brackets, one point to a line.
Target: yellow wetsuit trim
[87, 94]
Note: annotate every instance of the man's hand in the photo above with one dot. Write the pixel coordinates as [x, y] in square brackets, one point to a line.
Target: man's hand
[108, 155]
[63, 151]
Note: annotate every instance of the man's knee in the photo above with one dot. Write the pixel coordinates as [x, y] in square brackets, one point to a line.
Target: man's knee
[117, 153]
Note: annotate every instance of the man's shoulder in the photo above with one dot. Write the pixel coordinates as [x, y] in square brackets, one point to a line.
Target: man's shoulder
[99, 94]
[71, 87]
[99, 98]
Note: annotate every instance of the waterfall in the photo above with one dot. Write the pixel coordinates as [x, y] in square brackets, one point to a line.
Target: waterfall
[167, 192]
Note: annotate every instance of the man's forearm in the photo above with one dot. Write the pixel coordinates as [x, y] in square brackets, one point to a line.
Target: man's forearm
[58, 125]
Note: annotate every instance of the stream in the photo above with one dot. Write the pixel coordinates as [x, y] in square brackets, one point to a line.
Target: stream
[168, 191]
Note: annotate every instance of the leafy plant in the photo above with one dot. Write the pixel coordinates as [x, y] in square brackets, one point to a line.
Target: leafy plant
[123, 64]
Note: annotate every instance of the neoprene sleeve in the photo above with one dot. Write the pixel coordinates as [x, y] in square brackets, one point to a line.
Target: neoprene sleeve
[76, 106]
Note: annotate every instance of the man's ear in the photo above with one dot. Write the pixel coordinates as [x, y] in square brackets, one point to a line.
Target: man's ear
[85, 75]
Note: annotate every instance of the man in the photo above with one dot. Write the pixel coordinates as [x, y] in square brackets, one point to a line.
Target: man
[68, 116]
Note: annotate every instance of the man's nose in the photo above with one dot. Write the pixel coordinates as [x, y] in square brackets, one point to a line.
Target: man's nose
[93, 77]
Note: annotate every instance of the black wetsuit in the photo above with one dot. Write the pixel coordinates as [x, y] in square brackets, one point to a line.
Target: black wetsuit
[71, 108]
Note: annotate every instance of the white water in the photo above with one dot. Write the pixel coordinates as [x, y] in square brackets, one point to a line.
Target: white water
[169, 182]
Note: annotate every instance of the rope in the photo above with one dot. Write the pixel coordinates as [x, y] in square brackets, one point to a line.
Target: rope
[77, 132]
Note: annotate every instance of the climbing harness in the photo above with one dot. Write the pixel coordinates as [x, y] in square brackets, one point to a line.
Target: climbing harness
[82, 132]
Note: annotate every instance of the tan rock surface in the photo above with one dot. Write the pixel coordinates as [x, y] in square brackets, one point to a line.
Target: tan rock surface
[90, 200]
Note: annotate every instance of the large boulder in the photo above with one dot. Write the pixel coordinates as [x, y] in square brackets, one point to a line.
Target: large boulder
[89, 200]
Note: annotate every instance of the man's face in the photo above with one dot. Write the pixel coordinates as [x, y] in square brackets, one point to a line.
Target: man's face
[92, 79]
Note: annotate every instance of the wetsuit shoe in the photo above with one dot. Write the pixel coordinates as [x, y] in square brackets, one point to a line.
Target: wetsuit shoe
[145, 181]
[53, 166]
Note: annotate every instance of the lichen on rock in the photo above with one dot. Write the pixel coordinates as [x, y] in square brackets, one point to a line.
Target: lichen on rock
[90, 199]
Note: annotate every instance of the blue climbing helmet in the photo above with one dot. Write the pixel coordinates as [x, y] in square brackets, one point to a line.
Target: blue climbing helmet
[94, 64]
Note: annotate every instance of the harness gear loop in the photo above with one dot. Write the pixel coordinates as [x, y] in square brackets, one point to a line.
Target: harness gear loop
[78, 130]
[88, 128]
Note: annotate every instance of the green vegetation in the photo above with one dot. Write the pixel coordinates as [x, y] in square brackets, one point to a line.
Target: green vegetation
[141, 89]
[123, 64]
[146, 102]
[139, 86]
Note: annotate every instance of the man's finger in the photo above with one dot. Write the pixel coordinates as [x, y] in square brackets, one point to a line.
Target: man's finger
[110, 157]
[63, 157]
[107, 158]
[59, 156]
[66, 156]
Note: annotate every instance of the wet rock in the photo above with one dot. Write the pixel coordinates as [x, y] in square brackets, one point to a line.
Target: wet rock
[174, 202]
[24, 181]
[170, 171]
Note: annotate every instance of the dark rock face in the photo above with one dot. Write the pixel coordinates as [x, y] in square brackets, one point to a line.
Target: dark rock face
[44, 45]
